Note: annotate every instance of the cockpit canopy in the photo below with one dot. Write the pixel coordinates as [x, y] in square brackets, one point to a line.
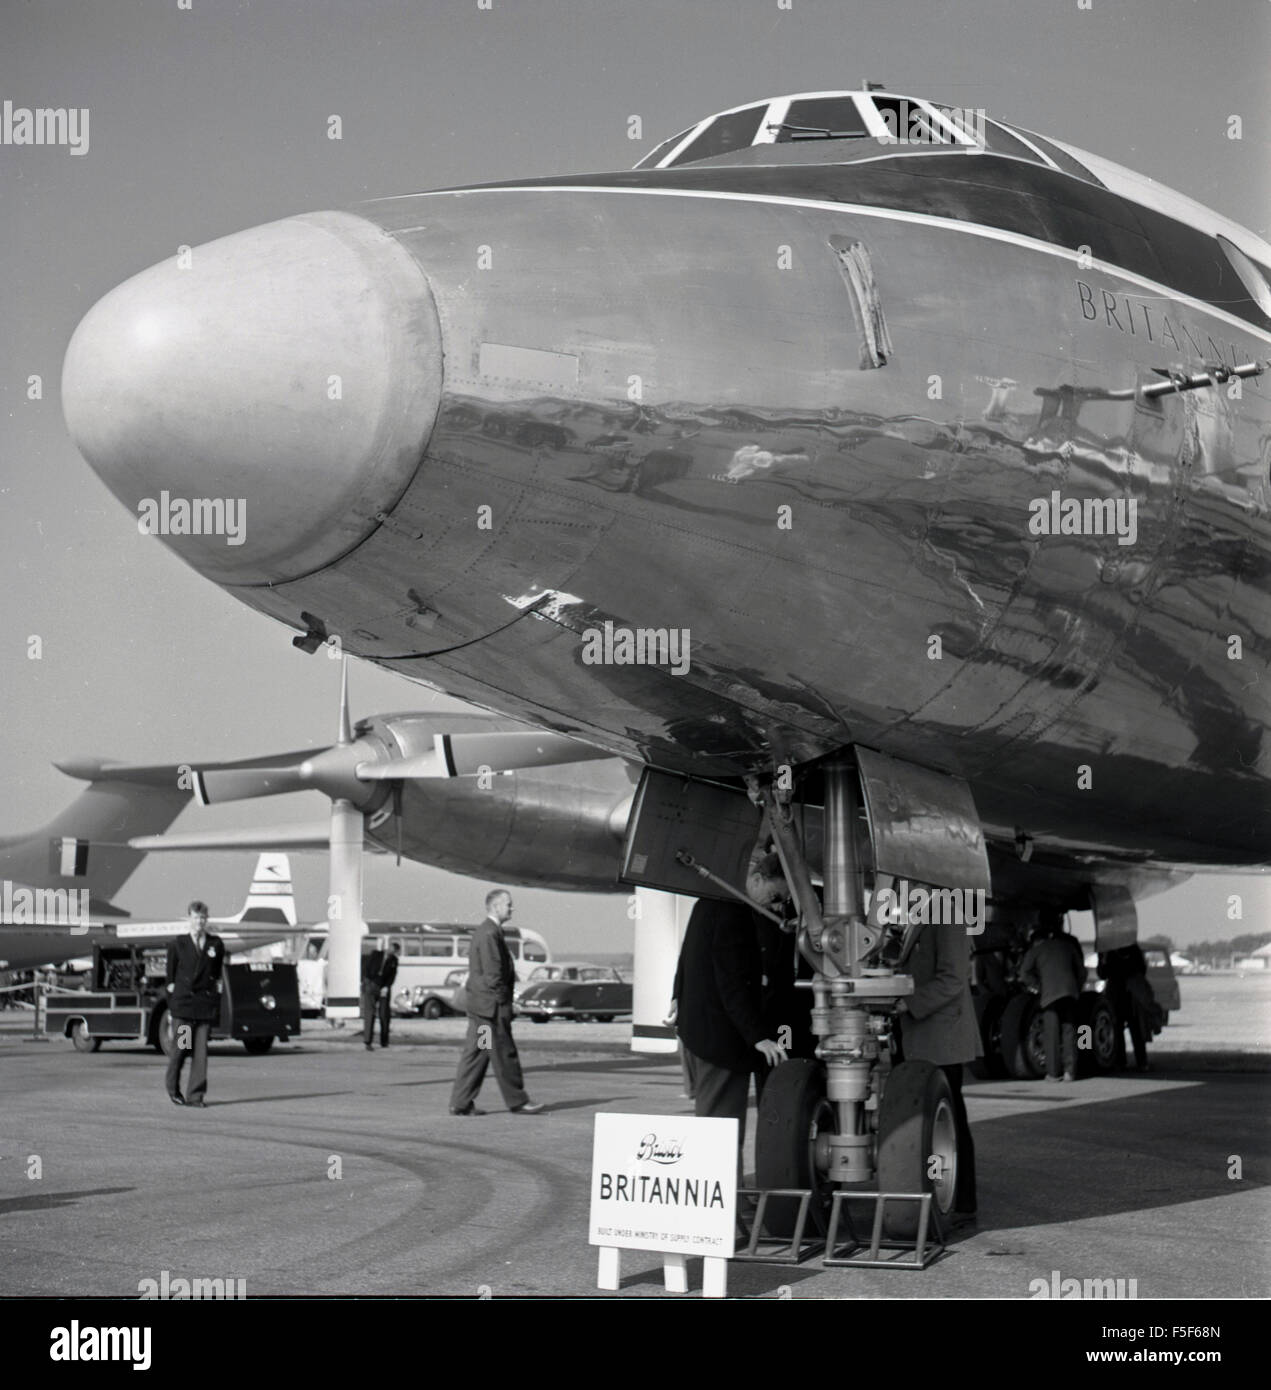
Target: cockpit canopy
[838, 127]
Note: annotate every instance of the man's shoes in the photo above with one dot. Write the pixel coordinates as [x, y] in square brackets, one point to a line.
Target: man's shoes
[1048, 1077]
[177, 1098]
[369, 1046]
[196, 1104]
[1068, 1076]
[467, 1110]
[531, 1107]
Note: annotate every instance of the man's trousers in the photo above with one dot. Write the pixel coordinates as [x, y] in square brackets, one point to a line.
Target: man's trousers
[193, 1033]
[489, 1039]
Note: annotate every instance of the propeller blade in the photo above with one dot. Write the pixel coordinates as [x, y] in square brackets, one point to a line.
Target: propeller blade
[241, 781]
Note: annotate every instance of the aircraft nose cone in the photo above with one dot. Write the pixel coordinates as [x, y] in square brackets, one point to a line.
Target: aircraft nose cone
[258, 401]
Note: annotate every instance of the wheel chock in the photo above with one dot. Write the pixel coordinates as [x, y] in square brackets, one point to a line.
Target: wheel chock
[844, 1252]
[762, 1247]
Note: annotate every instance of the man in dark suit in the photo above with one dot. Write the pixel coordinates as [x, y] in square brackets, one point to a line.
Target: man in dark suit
[491, 979]
[938, 1025]
[720, 1020]
[379, 972]
[195, 962]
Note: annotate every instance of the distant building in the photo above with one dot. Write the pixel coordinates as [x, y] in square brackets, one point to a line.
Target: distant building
[1259, 960]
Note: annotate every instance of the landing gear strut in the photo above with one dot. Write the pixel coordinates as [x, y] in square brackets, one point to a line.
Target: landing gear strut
[852, 1117]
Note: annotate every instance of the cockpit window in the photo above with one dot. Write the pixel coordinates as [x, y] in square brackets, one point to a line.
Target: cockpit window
[909, 123]
[1255, 278]
[1062, 158]
[725, 134]
[822, 118]
[650, 161]
[1000, 141]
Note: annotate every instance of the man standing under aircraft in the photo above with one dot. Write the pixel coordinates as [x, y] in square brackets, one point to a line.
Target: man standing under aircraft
[719, 989]
[195, 962]
[1055, 968]
[491, 979]
[938, 1025]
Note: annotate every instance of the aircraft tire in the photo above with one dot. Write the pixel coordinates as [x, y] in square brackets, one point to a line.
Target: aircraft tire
[1013, 1032]
[916, 1123]
[81, 1040]
[793, 1110]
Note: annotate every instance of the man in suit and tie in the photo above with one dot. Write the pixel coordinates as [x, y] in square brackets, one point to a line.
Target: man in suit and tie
[377, 992]
[195, 962]
[491, 979]
[938, 1025]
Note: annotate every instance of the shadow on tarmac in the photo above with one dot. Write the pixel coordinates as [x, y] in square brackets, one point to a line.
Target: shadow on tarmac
[52, 1201]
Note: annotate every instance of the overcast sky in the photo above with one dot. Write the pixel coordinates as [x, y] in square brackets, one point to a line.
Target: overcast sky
[210, 120]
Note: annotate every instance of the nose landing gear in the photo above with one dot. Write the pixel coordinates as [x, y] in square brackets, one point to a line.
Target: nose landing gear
[851, 1117]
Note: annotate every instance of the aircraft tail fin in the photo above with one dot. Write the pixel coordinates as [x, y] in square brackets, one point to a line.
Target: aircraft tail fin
[271, 897]
[86, 844]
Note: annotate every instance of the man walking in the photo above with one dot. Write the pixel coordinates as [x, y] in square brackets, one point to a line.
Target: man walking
[491, 979]
[380, 970]
[195, 962]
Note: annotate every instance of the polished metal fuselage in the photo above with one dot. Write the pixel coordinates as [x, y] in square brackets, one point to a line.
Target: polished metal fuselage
[661, 409]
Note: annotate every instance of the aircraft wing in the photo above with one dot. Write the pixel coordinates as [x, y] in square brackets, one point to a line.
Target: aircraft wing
[299, 835]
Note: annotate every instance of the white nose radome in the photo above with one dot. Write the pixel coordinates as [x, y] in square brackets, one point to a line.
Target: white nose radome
[258, 401]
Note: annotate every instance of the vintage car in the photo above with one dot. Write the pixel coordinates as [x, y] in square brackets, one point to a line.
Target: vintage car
[431, 1001]
[574, 989]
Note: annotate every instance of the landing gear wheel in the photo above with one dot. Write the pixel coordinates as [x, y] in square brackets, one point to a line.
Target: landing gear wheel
[1096, 1013]
[1016, 1018]
[258, 1046]
[1035, 1043]
[81, 1039]
[915, 1128]
[793, 1115]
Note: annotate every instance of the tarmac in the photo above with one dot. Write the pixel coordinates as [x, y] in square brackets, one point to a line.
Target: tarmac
[322, 1169]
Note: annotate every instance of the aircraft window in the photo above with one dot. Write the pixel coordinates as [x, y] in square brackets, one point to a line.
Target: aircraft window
[822, 118]
[1255, 278]
[650, 161]
[906, 121]
[734, 131]
[1061, 157]
[998, 139]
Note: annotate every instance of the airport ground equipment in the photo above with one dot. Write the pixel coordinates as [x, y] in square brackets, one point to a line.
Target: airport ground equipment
[128, 1003]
